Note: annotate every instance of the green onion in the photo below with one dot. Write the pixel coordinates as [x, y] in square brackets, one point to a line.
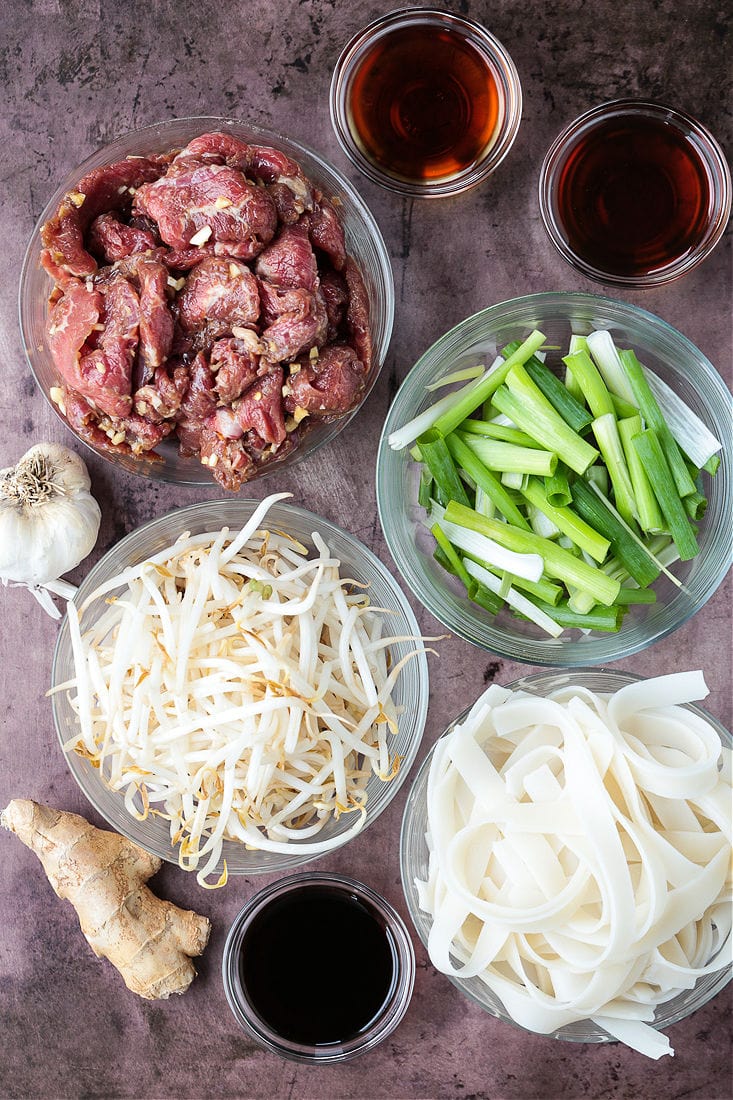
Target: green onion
[490, 552]
[635, 595]
[530, 410]
[572, 412]
[439, 462]
[558, 562]
[409, 432]
[516, 600]
[571, 525]
[651, 453]
[692, 436]
[605, 354]
[557, 488]
[487, 599]
[605, 619]
[540, 523]
[457, 565]
[496, 431]
[591, 383]
[425, 491]
[647, 509]
[696, 505]
[508, 457]
[449, 420]
[609, 444]
[712, 465]
[485, 480]
[652, 414]
[463, 375]
[594, 511]
[577, 343]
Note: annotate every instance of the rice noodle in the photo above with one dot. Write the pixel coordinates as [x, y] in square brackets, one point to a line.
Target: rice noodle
[239, 688]
[580, 853]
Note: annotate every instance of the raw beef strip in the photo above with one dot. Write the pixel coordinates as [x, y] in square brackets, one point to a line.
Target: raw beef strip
[357, 314]
[229, 149]
[111, 240]
[272, 166]
[161, 399]
[104, 189]
[329, 385]
[221, 294]
[336, 296]
[261, 408]
[302, 324]
[107, 368]
[289, 261]
[156, 319]
[210, 201]
[97, 363]
[326, 233]
[197, 406]
[226, 458]
[235, 366]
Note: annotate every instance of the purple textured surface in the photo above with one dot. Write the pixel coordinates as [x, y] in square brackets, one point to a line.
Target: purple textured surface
[75, 74]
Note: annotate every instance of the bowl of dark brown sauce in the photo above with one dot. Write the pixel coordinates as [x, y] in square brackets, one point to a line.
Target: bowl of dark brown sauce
[425, 102]
[634, 193]
[318, 968]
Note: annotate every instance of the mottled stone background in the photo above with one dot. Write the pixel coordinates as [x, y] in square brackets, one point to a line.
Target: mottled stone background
[76, 73]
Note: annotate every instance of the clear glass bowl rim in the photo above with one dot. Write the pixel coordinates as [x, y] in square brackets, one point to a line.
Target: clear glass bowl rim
[540, 683]
[504, 69]
[416, 672]
[322, 433]
[599, 648]
[393, 1009]
[709, 151]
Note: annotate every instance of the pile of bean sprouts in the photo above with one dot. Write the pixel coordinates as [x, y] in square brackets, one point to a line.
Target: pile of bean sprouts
[239, 687]
[580, 854]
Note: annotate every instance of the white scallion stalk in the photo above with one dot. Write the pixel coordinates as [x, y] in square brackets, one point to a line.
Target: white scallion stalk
[528, 566]
[515, 599]
[409, 432]
[514, 480]
[693, 437]
[606, 357]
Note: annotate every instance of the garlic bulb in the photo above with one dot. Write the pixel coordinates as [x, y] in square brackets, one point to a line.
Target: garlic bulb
[49, 520]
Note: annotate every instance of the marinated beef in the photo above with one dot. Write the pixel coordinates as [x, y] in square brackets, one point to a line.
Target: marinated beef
[204, 294]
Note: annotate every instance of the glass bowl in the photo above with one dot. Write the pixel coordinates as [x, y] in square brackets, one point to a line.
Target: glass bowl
[658, 346]
[410, 695]
[414, 864]
[347, 891]
[568, 159]
[446, 25]
[364, 243]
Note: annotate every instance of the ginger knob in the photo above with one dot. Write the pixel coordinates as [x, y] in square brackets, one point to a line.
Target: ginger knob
[103, 875]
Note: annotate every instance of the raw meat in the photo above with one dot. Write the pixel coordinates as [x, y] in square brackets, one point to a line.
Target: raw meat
[204, 295]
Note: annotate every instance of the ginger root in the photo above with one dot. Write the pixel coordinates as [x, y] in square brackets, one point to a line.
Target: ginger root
[150, 941]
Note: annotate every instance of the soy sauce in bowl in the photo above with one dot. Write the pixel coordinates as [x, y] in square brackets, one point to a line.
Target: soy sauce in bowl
[425, 102]
[635, 193]
[302, 939]
[318, 968]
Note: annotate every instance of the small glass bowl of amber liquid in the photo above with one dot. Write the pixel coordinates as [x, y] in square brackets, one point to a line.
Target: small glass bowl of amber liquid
[425, 103]
[634, 193]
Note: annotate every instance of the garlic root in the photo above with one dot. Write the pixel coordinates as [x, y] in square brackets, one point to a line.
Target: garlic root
[103, 875]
